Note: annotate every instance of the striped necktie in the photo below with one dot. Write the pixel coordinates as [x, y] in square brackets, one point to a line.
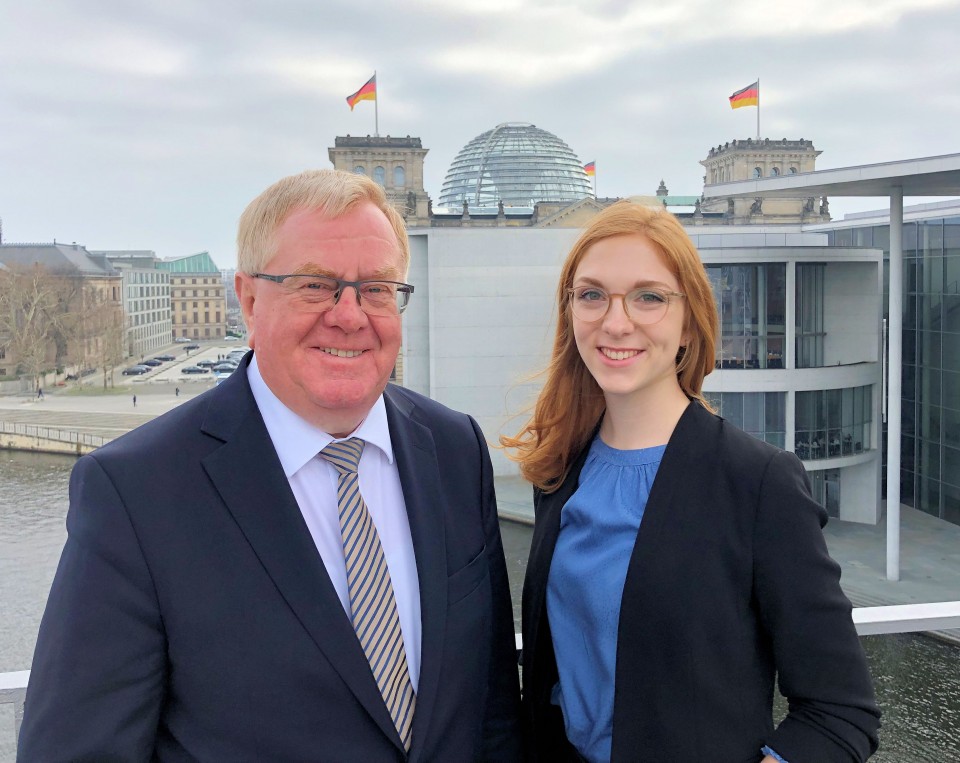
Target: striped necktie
[372, 604]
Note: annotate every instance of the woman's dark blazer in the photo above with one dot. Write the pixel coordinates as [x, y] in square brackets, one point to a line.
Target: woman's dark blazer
[728, 582]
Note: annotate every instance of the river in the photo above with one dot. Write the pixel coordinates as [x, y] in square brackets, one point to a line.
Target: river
[917, 678]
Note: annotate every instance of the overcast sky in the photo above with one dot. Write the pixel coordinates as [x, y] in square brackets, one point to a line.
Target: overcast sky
[127, 124]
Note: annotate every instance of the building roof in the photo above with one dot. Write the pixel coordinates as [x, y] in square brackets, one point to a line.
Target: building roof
[928, 176]
[201, 262]
[61, 258]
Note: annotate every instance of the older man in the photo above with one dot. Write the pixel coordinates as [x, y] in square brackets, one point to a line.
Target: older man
[303, 564]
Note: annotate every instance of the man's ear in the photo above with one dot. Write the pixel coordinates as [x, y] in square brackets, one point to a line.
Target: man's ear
[246, 294]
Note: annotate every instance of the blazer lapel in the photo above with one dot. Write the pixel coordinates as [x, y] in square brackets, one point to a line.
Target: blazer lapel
[546, 531]
[247, 473]
[420, 478]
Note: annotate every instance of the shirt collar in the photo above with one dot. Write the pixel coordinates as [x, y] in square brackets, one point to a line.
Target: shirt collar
[296, 440]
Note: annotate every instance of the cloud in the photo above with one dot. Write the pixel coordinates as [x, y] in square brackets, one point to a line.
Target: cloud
[129, 124]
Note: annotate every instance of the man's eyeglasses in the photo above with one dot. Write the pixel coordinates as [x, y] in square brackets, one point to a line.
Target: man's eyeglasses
[643, 306]
[315, 294]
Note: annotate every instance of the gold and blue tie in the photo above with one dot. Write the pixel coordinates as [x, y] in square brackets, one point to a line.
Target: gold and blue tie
[372, 604]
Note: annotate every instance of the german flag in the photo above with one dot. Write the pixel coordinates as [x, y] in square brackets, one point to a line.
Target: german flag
[366, 93]
[749, 96]
[590, 168]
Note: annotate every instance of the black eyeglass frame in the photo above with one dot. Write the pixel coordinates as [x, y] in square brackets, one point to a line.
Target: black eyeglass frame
[402, 288]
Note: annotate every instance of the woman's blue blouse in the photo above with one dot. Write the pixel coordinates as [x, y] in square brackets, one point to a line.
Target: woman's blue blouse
[598, 530]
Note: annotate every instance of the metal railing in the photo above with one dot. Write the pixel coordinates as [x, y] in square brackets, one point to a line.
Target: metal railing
[50, 433]
[869, 621]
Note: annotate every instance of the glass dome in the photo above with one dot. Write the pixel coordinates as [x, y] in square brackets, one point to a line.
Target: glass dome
[516, 163]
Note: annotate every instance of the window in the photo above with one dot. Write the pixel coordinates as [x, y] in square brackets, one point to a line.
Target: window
[792, 171]
[833, 422]
[359, 170]
[757, 172]
[809, 318]
[399, 177]
[751, 301]
[825, 487]
[379, 175]
[760, 414]
[775, 172]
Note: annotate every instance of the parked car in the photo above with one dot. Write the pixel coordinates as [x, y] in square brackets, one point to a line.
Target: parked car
[224, 368]
[180, 339]
[194, 370]
[136, 370]
[206, 363]
[164, 358]
[151, 362]
[192, 347]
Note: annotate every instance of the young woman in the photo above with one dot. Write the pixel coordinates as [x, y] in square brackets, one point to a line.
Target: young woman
[677, 564]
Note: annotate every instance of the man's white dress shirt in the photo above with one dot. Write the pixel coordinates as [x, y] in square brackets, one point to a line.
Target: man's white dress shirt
[314, 483]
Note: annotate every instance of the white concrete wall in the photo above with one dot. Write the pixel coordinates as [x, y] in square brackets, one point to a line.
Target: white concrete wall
[486, 324]
[860, 492]
[852, 310]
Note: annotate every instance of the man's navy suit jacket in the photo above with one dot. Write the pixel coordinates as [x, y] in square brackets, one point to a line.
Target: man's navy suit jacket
[191, 617]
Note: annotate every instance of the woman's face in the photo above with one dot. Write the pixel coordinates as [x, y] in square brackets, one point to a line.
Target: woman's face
[626, 356]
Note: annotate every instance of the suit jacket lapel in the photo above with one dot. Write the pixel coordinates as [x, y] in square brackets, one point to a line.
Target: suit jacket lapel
[420, 478]
[247, 473]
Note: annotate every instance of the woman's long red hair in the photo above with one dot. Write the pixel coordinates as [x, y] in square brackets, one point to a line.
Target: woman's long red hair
[571, 402]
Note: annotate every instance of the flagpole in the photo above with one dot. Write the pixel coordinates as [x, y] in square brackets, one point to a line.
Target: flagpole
[376, 109]
[758, 108]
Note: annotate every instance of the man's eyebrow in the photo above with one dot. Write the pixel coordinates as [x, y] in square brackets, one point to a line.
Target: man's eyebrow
[386, 273]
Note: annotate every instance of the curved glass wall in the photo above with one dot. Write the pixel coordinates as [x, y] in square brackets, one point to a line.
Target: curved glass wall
[833, 422]
[751, 300]
[518, 164]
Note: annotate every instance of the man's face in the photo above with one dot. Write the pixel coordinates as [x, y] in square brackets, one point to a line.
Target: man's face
[327, 367]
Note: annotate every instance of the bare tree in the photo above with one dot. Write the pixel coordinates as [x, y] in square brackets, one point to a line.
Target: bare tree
[34, 312]
[105, 328]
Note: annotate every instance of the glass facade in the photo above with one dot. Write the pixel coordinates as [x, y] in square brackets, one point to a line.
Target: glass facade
[825, 488]
[809, 319]
[761, 414]
[518, 164]
[752, 304]
[930, 397]
[833, 422]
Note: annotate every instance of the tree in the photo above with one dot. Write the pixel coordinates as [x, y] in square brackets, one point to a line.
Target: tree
[105, 330]
[34, 312]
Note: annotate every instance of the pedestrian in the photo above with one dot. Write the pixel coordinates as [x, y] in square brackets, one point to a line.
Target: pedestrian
[134, 401]
[39, 393]
[177, 392]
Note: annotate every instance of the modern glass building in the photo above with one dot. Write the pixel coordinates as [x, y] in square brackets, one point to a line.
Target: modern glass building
[517, 164]
[930, 395]
[798, 363]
